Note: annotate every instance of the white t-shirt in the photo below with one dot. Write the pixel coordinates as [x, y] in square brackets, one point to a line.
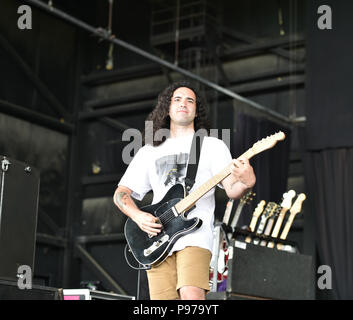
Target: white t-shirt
[159, 168]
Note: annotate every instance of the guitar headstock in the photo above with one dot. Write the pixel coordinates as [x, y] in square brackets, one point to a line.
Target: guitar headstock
[260, 207]
[297, 205]
[267, 143]
[277, 210]
[248, 197]
[270, 209]
[287, 199]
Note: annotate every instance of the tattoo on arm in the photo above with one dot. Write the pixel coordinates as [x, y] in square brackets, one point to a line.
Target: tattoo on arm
[121, 199]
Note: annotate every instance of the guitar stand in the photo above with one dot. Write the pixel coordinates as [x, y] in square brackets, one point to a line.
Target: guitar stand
[285, 245]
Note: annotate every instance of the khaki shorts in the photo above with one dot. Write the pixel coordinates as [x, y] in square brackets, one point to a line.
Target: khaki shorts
[187, 267]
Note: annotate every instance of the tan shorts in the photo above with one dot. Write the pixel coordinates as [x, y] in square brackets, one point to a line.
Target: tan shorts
[187, 267]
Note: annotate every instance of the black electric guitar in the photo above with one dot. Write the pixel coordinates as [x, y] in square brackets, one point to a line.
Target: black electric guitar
[171, 212]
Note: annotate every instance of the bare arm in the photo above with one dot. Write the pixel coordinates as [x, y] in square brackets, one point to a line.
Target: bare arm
[146, 221]
[241, 180]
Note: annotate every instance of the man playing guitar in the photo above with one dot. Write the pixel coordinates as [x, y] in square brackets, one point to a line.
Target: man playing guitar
[184, 274]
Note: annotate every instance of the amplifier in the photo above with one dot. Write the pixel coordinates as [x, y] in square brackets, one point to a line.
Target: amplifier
[258, 272]
[19, 190]
[9, 290]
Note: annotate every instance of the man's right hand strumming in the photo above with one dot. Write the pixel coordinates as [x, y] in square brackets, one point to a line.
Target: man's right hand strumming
[146, 221]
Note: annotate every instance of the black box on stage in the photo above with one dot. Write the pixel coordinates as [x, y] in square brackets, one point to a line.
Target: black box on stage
[101, 295]
[19, 190]
[258, 272]
[9, 290]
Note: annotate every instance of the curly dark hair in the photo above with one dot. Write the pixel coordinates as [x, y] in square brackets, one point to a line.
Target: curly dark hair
[159, 116]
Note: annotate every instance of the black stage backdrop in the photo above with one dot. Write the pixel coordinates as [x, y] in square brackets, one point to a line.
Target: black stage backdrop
[329, 177]
[270, 166]
[328, 139]
[329, 75]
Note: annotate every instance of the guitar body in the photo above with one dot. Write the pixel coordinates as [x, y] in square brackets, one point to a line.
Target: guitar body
[153, 250]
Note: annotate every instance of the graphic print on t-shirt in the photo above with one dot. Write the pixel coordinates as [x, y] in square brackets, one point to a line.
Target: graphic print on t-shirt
[171, 169]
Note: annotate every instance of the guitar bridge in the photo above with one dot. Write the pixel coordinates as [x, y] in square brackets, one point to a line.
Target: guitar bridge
[155, 245]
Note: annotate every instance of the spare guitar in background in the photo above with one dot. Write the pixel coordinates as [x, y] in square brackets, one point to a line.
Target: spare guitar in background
[285, 206]
[270, 221]
[246, 199]
[267, 213]
[257, 213]
[220, 250]
[218, 272]
[171, 212]
[294, 210]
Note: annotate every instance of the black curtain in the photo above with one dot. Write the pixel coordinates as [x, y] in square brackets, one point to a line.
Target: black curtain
[328, 140]
[329, 71]
[329, 177]
[270, 166]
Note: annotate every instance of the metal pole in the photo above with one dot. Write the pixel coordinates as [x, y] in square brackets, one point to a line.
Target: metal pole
[103, 275]
[102, 33]
[35, 117]
[40, 86]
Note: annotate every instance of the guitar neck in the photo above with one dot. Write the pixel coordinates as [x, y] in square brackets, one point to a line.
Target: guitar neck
[287, 227]
[186, 203]
[277, 227]
[269, 226]
[228, 211]
[285, 231]
[264, 144]
[189, 201]
[261, 227]
[237, 215]
[267, 230]
[279, 223]
[253, 223]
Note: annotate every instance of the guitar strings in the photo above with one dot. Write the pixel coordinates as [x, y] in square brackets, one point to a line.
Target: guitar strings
[166, 217]
[170, 217]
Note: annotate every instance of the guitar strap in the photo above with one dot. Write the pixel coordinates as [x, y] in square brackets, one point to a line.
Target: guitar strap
[194, 157]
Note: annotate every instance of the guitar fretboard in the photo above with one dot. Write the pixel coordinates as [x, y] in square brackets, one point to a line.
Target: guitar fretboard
[188, 202]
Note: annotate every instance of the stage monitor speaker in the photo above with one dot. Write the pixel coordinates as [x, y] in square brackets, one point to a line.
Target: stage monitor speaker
[262, 273]
[9, 290]
[19, 190]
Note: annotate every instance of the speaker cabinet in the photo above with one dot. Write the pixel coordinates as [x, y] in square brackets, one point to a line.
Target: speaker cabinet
[10, 291]
[256, 272]
[19, 190]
